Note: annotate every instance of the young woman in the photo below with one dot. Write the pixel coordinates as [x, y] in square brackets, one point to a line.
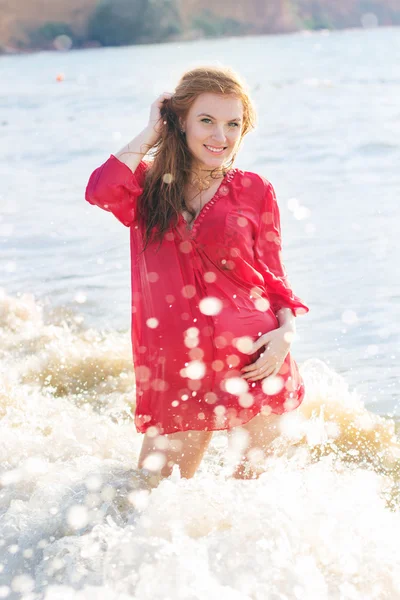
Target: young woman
[213, 314]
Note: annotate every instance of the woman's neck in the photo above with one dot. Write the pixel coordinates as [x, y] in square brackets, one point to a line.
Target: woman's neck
[202, 177]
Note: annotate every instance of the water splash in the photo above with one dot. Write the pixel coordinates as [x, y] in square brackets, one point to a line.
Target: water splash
[78, 520]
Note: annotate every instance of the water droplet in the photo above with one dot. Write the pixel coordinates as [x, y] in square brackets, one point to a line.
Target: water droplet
[139, 499]
[210, 397]
[77, 516]
[262, 304]
[195, 370]
[369, 20]
[232, 360]
[244, 344]
[153, 276]
[246, 400]
[209, 276]
[80, 298]
[210, 306]
[152, 323]
[236, 385]
[22, 583]
[154, 461]
[142, 373]
[272, 385]
[185, 247]
[217, 365]
[62, 42]
[168, 178]
[188, 291]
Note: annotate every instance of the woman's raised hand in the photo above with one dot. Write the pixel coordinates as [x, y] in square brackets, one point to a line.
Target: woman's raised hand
[155, 124]
[132, 153]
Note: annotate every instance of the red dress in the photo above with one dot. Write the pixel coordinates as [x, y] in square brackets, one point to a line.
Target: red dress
[200, 300]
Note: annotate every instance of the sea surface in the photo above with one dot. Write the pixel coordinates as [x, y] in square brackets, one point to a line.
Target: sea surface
[77, 520]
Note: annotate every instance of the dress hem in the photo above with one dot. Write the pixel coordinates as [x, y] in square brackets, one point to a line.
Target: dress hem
[244, 421]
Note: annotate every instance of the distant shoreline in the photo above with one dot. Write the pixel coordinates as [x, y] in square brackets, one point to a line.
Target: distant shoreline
[12, 51]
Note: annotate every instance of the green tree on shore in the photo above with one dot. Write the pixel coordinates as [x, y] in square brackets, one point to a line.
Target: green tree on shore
[120, 22]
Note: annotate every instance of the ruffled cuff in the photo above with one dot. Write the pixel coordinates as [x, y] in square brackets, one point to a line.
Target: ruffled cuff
[114, 188]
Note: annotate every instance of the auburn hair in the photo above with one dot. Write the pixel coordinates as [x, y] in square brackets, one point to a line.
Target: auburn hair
[163, 200]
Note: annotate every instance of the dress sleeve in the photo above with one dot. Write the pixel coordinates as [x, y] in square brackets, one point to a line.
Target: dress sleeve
[113, 187]
[268, 256]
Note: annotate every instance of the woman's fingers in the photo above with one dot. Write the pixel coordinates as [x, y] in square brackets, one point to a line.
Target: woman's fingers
[260, 369]
[164, 96]
[262, 361]
[155, 111]
[271, 359]
[158, 102]
[264, 372]
[263, 340]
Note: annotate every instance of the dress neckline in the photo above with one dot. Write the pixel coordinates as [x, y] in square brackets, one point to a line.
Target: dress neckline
[222, 190]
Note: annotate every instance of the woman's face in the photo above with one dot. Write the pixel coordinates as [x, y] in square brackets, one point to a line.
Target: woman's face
[213, 128]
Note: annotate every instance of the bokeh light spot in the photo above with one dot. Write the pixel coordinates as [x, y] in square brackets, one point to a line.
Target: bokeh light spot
[210, 306]
[236, 386]
[185, 247]
[246, 400]
[152, 323]
[168, 178]
[153, 276]
[62, 42]
[244, 344]
[188, 291]
[196, 369]
[209, 276]
[262, 304]
[272, 385]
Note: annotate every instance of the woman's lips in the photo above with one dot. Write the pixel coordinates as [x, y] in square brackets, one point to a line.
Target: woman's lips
[220, 151]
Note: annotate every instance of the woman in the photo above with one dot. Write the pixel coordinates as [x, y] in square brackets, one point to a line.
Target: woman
[213, 315]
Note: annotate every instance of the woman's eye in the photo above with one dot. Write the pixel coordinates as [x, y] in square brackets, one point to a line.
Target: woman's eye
[233, 124]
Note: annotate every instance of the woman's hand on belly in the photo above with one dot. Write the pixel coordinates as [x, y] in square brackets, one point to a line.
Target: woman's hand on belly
[277, 346]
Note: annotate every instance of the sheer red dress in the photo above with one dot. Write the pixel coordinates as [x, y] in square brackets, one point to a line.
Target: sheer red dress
[200, 299]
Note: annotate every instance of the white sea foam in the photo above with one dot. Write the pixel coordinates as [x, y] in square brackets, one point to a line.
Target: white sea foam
[78, 520]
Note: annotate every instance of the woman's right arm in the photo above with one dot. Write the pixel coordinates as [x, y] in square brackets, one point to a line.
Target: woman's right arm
[116, 185]
[132, 153]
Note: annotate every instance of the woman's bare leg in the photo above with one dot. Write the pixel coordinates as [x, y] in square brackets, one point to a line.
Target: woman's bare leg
[261, 431]
[160, 453]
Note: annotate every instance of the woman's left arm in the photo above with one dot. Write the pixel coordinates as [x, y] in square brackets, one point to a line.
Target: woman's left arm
[285, 304]
[268, 260]
[286, 319]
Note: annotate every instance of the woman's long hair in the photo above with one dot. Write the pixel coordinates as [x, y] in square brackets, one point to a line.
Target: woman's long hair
[163, 199]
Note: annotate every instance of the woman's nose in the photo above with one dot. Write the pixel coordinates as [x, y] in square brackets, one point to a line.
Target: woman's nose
[219, 134]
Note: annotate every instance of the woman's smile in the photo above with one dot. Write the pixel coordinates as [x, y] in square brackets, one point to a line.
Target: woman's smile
[214, 149]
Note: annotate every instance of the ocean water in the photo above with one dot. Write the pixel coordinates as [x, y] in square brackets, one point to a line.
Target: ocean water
[77, 520]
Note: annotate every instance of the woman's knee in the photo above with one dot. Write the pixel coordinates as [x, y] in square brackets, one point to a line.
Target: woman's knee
[184, 448]
[262, 429]
[256, 437]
